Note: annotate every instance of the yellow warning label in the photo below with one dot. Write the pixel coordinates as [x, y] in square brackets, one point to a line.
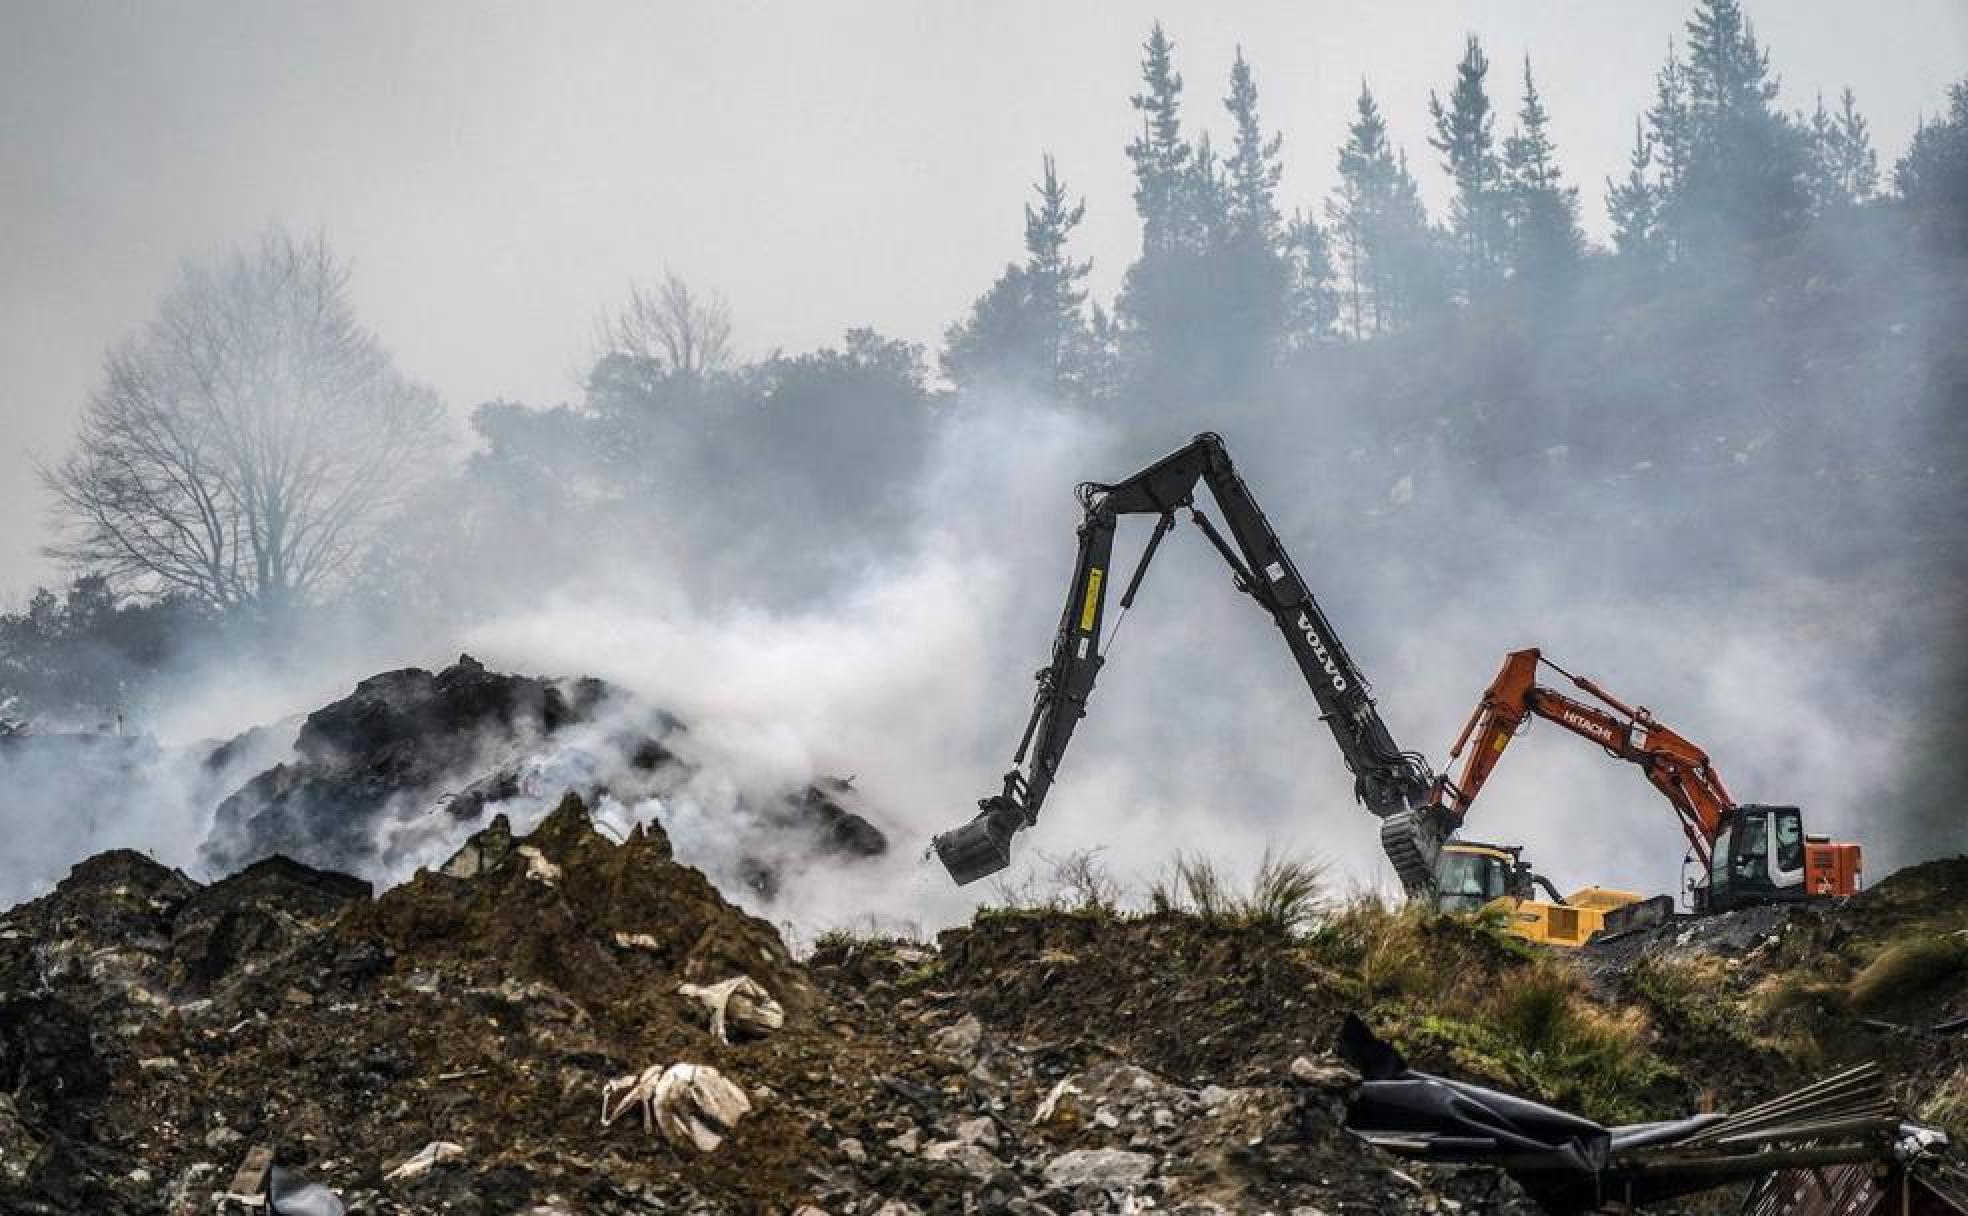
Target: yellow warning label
[1502, 737]
[1092, 604]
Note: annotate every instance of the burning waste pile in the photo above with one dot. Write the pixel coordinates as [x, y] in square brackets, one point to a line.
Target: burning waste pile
[392, 776]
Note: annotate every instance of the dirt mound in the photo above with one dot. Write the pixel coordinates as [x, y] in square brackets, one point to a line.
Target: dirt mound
[1192, 1000]
[1034, 1063]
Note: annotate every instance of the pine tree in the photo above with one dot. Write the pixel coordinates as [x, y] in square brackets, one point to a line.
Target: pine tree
[1634, 205]
[1253, 169]
[1314, 302]
[1464, 138]
[1844, 168]
[1545, 239]
[1160, 154]
[1671, 145]
[1418, 267]
[1933, 175]
[1745, 174]
[1387, 251]
[1253, 266]
[1030, 329]
[1366, 175]
[1054, 276]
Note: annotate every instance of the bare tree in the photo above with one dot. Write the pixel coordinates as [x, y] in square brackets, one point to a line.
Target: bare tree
[681, 330]
[249, 447]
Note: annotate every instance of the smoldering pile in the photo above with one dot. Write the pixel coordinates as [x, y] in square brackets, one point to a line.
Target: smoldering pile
[392, 777]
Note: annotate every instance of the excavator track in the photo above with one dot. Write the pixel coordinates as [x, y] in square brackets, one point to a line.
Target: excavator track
[1412, 841]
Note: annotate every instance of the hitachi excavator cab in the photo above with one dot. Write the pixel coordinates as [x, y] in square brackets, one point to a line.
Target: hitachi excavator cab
[1761, 855]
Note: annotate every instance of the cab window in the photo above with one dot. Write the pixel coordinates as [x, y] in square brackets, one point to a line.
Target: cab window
[1469, 880]
[1790, 840]
[1752, 859]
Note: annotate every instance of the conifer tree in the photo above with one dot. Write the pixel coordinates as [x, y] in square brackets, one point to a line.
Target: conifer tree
[1634, 204]
[1463, 135]
[1545, 239]
[1030, 328]
[1933, 175]
[1844, 168]
[1745, 173]
[1386, 249]
[1253, 169]
[1160, 154]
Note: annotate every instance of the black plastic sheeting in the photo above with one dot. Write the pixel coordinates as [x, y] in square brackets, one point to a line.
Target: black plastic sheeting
[1548, 1151]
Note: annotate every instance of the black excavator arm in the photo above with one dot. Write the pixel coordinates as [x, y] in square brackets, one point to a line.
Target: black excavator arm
[1392, 783]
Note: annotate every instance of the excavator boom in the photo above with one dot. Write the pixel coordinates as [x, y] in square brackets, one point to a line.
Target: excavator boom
[1680, 770]
[1392, 783]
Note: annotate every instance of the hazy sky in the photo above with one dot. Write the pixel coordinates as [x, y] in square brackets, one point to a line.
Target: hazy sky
[498, 174]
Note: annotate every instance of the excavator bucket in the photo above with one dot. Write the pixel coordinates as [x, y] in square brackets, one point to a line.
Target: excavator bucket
[981, 847]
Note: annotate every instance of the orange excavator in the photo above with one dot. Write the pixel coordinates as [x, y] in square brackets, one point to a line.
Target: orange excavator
[1746, 853]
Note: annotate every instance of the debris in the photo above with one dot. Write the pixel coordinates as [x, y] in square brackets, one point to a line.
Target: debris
[1327, 1075]
[690, 1103]
[960, 1039]
[738, 1003]
[425, 1159]
[972, 1159]
[538, 868]
[248, 1186]
[289, 1194]
[1101, 1167]
[983, 1130]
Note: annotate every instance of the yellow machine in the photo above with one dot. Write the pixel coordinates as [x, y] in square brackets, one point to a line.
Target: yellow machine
[1473, 875]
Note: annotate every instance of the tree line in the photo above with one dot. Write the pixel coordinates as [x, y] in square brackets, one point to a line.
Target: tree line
[254, 455]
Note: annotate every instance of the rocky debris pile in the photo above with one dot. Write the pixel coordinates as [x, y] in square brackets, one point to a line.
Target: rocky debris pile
[390, 777]
[453, 1043]
[558, 1021]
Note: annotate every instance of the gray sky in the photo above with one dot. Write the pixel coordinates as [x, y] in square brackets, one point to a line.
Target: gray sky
[498, 174]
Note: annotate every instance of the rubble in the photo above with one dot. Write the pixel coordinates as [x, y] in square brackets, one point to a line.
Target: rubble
[425, 1159]
[441, 1044]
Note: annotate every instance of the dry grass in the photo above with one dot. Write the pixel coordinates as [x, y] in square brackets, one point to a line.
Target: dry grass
[1286, 893]
[1906, 968]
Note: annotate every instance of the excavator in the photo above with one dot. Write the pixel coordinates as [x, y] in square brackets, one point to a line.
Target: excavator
[1395, 785]
[1745, 853]
[1754, 846]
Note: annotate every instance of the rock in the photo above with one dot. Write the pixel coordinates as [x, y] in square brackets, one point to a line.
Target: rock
[970, 1158]
[981, 1130]
[907, 1142]
[895, 1207]
[960, 1039]
[425, 1159]
[222, 1137]
[1101, 1167]
[852, 1149]
[1213, 1096]
[1120, 1090]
